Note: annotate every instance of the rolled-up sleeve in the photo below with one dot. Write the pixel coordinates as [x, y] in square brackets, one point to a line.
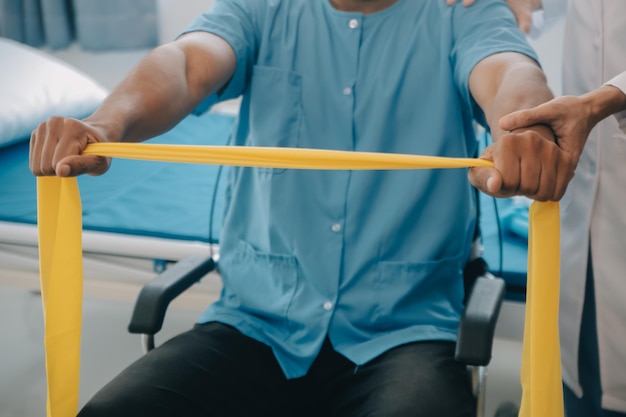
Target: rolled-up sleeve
[620, 82]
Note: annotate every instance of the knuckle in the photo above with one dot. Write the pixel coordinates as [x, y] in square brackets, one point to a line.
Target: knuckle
[530, 190]
[55, 121]
[559, 194]
[510, 186]
[46, 171]
[71, 123]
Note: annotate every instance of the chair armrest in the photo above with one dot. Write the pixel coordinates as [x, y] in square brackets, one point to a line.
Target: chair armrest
[477, 326]
[156, 295]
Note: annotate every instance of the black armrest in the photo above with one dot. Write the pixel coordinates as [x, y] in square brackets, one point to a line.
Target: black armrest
[156, 295]
[476, 330]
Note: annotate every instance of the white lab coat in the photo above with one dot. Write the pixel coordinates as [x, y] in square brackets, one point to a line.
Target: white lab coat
[620, 82]
[593, 209]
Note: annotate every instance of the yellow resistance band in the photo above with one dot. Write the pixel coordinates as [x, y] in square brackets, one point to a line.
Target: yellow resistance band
[60, 228]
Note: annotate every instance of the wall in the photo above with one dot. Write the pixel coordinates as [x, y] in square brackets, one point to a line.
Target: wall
[109, 68]
[175, 15]
[549, 47]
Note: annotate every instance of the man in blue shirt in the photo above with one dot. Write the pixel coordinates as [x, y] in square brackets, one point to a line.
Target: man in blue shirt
[342, 289]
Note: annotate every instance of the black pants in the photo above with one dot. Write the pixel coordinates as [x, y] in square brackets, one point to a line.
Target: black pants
[214, 370]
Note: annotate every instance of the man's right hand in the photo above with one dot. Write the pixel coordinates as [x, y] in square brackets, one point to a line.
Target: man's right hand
[157, 94]
[56, 147]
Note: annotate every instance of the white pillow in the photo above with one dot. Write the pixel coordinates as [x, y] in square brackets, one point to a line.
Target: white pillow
[35, 86]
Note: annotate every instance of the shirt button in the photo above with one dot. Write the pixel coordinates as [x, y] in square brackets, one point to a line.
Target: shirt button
[347, 91]
[353, 23]
[336, 227]
[328, 305]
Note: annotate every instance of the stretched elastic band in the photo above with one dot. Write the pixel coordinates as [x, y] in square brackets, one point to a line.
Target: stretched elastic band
[60, 252]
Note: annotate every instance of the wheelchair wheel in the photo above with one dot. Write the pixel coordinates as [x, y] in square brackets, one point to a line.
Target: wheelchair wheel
[507, 410]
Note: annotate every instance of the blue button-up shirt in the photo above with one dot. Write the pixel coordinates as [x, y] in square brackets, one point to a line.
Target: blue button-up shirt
[371, 259]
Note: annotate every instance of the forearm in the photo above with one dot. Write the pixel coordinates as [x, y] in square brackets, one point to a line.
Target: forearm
[164, 87]
[528, 160]
[150, 100]
[505, 83]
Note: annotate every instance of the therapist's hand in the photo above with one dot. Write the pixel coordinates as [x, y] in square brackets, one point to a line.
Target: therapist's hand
[527, 162]
[522, 9]
[570, 117]
[56, 147]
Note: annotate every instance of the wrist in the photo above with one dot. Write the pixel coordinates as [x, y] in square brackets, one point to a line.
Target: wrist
[544, 130]
[109, 131]
[603, 102]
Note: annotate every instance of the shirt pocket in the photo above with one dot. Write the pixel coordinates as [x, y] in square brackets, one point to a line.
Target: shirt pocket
[426, 293]
[275, 109]
[259, 283]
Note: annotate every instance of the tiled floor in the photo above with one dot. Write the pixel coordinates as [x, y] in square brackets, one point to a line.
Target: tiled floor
[108, 348]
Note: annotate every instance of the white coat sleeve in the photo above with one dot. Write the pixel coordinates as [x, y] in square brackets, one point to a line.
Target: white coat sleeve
[620, 82]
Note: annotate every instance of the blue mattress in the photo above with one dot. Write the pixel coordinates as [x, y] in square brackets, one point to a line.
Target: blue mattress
[506, 247]
[175, 201]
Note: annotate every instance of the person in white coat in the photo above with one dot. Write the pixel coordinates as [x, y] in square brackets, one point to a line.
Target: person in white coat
[602, 319]
[572, 118]
[593, 233]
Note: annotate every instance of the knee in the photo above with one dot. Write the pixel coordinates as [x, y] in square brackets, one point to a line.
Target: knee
[421, 379]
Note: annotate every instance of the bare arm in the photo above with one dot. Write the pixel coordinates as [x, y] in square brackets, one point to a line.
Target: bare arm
[527, 161]
[160, 91]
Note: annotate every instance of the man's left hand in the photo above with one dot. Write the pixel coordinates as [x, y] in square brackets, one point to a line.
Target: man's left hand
[527, 162]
